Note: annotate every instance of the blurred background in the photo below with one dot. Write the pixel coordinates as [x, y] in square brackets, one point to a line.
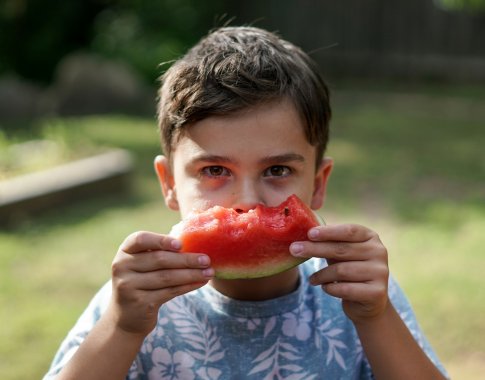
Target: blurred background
[78, 82]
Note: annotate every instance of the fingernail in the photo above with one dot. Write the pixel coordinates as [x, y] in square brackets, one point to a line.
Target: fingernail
[176, 244]
[296, 249]
[313, 233]
[209, 272]
[204, 260]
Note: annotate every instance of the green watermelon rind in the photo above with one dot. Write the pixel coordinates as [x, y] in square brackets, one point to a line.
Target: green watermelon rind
[238, 273]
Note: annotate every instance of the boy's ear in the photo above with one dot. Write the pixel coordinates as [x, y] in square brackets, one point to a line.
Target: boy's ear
[167, 183]
[320, 183]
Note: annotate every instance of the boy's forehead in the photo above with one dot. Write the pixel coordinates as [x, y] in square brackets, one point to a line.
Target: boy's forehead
[279, 105]
[270, 129]
[280, 116]
[269, 110]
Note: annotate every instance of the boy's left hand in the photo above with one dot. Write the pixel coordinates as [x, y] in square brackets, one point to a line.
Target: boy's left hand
[357, 272]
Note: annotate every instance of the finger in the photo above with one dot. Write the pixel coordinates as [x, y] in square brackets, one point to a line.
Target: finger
[143, 241]
[151, 300]
[353, 271]
[163, 295]
[356, 292]
[341, 232]
[170, 278]
[339, 251]
[156, 260]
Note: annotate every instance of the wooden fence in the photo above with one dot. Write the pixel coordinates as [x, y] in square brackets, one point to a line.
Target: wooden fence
[383, 38]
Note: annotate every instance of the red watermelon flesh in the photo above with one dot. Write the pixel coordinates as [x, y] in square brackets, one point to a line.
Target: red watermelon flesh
[251, 244]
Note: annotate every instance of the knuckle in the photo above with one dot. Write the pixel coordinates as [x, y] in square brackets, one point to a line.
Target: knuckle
[343, 289]
[383, 270]
[116, 268]
[132, 240]
[163, 276]
[122, 286]
[192, 261]
[342, 271]
[138, 237]
[376, 241]
[381, 254]
[352, 230]
[379, 291]
[163, 241]
[161, 259]
[340, 249]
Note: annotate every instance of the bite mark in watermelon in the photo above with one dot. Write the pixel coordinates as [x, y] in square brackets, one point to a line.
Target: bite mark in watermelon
[251, 244]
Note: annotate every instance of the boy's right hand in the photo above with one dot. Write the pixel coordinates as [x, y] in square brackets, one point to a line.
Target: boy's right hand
[148, 271]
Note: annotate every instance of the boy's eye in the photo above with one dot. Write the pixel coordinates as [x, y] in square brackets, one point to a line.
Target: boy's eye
[277, 171]
[215, 171]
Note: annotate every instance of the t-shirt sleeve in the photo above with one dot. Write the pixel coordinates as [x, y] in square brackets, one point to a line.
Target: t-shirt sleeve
[403, 307]
[80, 330]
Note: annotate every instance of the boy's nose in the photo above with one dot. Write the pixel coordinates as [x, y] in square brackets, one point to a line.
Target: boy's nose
[247, 197]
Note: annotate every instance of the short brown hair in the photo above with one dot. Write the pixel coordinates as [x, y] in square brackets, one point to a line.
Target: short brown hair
[233, 68]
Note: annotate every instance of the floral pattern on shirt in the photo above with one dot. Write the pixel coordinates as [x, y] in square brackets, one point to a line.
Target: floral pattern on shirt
[205, 335]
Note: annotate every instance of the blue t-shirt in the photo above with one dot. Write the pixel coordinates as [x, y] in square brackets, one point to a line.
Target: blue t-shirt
[206, 335]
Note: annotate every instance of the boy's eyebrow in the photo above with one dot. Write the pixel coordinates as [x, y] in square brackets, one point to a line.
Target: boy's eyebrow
[211, 158]
[278, 158]
[283, 158]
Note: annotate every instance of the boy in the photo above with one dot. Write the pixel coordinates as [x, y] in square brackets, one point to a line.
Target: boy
[244, 120]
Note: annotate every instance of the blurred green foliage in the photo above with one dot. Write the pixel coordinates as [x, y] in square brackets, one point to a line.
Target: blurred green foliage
[36, 34]
[466, 5]
[148, 33]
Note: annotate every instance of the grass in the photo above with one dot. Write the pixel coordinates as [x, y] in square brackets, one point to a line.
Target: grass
[408, 165]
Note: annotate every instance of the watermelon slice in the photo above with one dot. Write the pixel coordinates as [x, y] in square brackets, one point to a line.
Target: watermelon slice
[251, 244]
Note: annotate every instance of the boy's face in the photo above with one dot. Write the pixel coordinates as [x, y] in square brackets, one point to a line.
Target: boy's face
[259, 155]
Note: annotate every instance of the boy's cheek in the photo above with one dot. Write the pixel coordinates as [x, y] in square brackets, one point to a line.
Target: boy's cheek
[189, 206]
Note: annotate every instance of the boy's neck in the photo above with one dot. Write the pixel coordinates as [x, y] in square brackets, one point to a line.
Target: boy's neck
[259, 289]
